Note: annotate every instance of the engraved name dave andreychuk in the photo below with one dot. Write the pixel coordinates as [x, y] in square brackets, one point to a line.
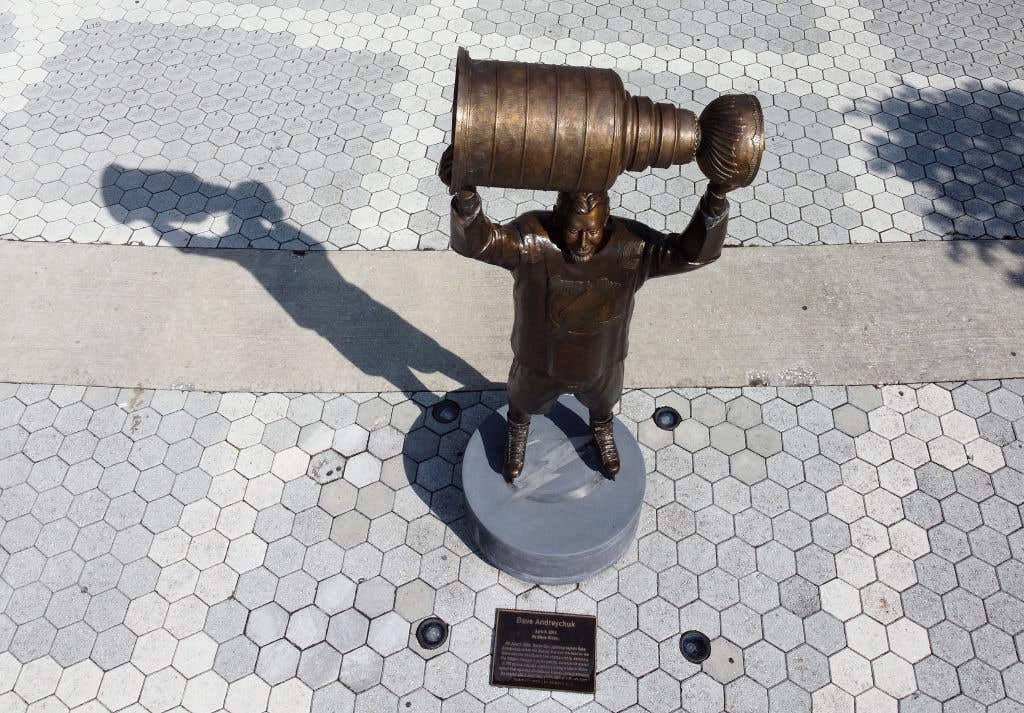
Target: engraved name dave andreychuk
[544, 650]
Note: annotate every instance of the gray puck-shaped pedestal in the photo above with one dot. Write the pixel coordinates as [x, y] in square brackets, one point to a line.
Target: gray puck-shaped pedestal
[561, 521]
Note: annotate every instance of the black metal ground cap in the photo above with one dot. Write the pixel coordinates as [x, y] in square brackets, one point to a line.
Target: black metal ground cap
[446, 411]
[432, 632]
[666, 418]
[695, 645]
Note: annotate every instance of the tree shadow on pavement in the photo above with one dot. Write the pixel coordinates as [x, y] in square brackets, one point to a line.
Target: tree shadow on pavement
[172, 202]
[955, 157]
[959, 150]
[989, 252]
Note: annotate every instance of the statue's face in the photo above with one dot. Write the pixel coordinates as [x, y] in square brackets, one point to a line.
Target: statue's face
[583, 233]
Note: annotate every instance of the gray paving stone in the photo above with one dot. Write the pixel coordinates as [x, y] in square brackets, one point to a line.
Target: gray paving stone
[295, 591]
[361, 669]
[825, 633]
[225, 620]
[277, 662]
[964, 608]
[307, 627]
[940, 548]
[73, 644]
[807, 668]
[106, 610]
[850, 420]
[256, 587]
[319, 665]
[981, 682]
[799, 596]
[333, 697]
[348, 630]
[374, 596]
[236, 659]
[951, 643]
[113, 647]
[923, 606]
[937, 678]
[266, 624]
[32, 640]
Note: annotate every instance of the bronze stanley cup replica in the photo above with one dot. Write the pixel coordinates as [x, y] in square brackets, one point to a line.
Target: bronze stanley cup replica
[558, 128]
[574, 130]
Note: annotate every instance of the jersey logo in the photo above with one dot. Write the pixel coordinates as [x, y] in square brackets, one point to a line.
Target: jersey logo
[586, 306]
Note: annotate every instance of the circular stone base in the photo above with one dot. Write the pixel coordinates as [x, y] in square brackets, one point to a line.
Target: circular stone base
[561, 521]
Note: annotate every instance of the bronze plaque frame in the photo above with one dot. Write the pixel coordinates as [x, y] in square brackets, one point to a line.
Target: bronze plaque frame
[551, 651]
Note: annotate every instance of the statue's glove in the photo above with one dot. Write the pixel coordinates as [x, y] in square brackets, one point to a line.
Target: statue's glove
[444, 166]
[467, 201]
[714, 202]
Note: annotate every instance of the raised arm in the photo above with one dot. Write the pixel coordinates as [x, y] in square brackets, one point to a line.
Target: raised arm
[473, 234]
[699, 245]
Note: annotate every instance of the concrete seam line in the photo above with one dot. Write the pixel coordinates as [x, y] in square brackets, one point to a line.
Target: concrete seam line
[237, 319]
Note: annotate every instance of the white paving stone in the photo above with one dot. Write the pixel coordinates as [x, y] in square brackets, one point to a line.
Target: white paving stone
[828, 578]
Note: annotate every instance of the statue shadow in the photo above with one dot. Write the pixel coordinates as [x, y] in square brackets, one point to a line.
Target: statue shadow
[173, 202]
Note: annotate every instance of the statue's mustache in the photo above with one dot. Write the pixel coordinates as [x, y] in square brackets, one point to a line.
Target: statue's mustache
[577, 256]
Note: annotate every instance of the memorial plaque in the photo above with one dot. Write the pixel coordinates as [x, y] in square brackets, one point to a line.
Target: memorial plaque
[539, 649]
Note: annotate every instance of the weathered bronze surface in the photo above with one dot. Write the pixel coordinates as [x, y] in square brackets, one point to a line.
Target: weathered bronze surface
[566, 128]
[574, 130]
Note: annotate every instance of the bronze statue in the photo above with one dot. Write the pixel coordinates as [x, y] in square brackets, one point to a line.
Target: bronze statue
[576, 268]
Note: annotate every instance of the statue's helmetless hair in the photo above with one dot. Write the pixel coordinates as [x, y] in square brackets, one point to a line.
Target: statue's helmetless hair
[581, 202]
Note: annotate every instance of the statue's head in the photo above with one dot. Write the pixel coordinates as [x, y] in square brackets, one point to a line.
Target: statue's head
[582, 218]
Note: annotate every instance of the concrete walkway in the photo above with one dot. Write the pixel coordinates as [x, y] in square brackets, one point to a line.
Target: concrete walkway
[350, 321]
